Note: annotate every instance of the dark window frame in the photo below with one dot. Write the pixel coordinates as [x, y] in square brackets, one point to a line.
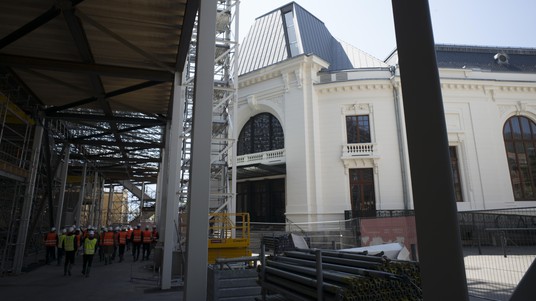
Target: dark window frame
[362, 181]
[456, 178]
[519, 135]
[251, 133]
[356, 131]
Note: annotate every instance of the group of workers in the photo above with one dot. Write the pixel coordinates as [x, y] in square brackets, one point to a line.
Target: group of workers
[107, 243]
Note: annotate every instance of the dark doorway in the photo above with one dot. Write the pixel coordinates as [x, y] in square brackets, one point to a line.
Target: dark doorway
[263, 200]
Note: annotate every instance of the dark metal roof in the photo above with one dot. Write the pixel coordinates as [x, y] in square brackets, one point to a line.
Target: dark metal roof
[104, 68]
[267, 42]
[471, 57]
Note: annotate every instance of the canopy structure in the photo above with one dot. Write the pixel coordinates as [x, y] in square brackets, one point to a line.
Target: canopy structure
[102, 69]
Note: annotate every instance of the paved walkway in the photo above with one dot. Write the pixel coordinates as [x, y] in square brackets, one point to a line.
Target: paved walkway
[128, 280]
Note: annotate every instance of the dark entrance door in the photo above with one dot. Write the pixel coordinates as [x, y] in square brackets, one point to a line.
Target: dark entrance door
[264, 200]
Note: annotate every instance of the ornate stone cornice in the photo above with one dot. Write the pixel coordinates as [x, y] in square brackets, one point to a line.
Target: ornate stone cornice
[352, 86]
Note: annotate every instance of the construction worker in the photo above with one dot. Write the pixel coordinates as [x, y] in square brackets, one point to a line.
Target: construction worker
[122, 242]
[146, 239]
[136, 242]
[129, 236]
[116, 242]
[61, 238]
[51, 240]
[108, 245]
[69, 245]
[89, 244]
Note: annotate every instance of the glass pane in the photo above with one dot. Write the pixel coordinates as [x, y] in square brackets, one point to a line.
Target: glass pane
[364, 129]
[525, 128]
[351, 129]
[516, 128]
[507, 132]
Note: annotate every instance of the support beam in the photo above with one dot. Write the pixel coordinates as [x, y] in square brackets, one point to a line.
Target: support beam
[84, 68]
[199, 193]
[63, 182]
[78, 209]
[170, 203]
[28, 199]
[440, 253]
[110, 202]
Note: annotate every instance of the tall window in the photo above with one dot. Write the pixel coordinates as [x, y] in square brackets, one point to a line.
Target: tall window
[362, 195]
[261, 133]
[520, 140]
[357, 129]
[263, 200]
[456, 174]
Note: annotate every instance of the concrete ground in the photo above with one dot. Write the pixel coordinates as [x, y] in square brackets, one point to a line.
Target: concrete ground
[128, 280]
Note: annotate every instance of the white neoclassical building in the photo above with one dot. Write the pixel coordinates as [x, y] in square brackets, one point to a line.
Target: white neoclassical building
[322, 128]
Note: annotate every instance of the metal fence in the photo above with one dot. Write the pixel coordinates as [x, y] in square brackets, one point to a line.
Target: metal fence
[498, 245]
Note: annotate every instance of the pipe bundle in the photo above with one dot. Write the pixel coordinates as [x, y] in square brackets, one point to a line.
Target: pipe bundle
[336, 275]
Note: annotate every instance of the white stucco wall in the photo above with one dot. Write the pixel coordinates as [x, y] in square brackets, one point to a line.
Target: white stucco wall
[313, 118]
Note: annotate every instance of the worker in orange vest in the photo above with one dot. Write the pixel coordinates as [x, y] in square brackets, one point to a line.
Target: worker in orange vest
[122, 242]
[146, 239]
[136, 242]
[51, 240]
[129, 236]
[108, 245]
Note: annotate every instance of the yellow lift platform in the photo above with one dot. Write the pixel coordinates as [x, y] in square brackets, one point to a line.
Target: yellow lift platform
[229, 236]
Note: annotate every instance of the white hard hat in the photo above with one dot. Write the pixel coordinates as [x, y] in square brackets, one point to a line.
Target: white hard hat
[71, 229]
[110, 228]
[53, 229]
[91, 232]
[116, 229]
[64, 231]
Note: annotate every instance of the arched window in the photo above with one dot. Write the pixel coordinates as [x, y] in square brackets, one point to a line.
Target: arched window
[520, 140]
[261, 133]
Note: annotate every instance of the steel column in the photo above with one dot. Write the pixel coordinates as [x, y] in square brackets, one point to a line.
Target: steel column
[170, 204]
[110, 203]
[440, 252]
[28, 199]
[81, 194]
[63, 182]
[199, 192]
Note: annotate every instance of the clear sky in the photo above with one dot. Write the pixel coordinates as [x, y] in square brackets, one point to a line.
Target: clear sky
[368, 24]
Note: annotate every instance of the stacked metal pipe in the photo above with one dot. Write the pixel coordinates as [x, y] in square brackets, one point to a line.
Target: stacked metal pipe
[335, 275]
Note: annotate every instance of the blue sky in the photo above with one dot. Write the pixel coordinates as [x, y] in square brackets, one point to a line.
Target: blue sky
[368, 24]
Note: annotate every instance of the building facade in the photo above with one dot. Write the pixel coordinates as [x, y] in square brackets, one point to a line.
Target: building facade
[322, 128]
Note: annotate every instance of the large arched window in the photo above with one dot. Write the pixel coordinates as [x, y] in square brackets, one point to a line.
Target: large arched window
[261, 133]
[520, 140]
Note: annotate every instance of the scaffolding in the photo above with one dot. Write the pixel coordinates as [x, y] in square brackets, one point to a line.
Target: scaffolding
[223, 149]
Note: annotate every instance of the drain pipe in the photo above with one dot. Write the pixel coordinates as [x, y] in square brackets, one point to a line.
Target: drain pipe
[402, 143]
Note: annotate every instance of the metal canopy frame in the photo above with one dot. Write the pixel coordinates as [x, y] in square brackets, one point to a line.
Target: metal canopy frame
[105, 73]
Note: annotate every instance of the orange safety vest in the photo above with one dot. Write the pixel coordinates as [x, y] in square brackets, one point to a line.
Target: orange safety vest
[137, 236]
[129, 234]
[51, 240]
[147, 236]
[108, 239]
[155, 235]
[123, 237]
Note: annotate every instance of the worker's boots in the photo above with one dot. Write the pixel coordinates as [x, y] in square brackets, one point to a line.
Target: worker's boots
[87, 272]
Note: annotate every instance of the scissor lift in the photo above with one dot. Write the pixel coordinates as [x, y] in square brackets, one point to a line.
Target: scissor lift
[229, 236]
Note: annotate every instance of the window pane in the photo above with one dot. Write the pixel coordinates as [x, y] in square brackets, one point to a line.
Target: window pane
[507, 132]
[261, 133]
[520, 140]
[362, 193]
[525, 128]
[358, 129]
